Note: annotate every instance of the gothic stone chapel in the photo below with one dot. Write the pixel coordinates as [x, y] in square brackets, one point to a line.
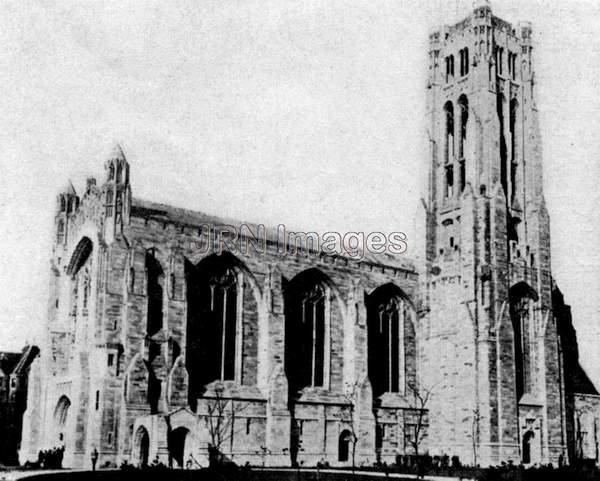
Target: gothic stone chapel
[155, 349]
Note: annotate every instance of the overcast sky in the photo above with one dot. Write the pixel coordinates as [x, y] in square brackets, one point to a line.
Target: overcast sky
[305, 113]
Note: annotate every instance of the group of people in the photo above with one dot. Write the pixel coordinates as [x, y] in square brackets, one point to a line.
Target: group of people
[51, 458]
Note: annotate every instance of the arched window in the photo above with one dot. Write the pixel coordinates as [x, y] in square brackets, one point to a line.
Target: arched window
[500, 104]
[79, 270]
[132, 279]
[109, 202]
[464, 61]
[449, 132]
[512, 65]
[499, 60]
[449, 68]
[215, 289]
[86, 289]
[521, 298]
[387, 313]
[514, 105]
[463, 103]
[155, 280]
[306, 321]
[449, 179]
[60, 237]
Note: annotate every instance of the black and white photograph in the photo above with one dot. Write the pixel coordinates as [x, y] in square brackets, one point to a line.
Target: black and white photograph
[311, 240]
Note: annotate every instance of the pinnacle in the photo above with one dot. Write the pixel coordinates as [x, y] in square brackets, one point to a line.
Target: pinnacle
[69, 189]
[117, 152]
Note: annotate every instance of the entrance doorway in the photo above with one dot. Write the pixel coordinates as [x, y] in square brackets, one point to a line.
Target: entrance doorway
[344, 446]
[141, 446]
[179, 446]
[527, 445]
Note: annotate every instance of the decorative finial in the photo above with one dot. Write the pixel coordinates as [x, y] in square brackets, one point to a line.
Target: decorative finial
[117, 152]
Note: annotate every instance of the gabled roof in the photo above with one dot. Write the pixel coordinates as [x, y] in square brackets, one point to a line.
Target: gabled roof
[166, 213]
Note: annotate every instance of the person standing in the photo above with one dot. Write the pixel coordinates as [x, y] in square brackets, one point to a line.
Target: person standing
[94, 457]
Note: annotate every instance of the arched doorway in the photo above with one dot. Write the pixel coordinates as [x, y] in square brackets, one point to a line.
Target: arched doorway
[61, 415]
[527, 442]
[179, 446]
[141, 446]
[344, 446]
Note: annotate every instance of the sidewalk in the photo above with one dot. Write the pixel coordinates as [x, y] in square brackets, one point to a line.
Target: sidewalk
[24, 473]
[374, 474]
[20, 474]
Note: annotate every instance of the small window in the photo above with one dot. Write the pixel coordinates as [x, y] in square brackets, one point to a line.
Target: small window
[449, 181]
[111, 360]
[109, 438]
[451, 241]
[97, 400]
[248, 423]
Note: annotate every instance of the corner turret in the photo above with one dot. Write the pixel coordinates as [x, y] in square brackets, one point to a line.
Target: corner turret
[67, 204]
[116, 194]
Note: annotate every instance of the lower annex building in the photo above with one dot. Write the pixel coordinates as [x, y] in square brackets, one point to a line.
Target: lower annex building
[158, 347]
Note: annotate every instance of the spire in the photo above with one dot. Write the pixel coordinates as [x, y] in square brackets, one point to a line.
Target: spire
[116, 152]
[70, 189]
[481, 3]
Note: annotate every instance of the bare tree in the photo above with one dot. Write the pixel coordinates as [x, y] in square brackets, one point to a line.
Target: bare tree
[350, 409]
[417, 431]
[578, 434]
[474, 434]
[220, 422]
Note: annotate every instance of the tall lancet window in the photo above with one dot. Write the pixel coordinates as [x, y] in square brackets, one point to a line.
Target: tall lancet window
[306, 331]
[388, 313]
[86, 289]
[215, 293]
[155, 281]
[449, 129]
[521, 297]
[514, 105]
[463, 103]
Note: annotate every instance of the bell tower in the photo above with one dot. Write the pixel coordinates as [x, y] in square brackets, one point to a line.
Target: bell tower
[489, 339]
